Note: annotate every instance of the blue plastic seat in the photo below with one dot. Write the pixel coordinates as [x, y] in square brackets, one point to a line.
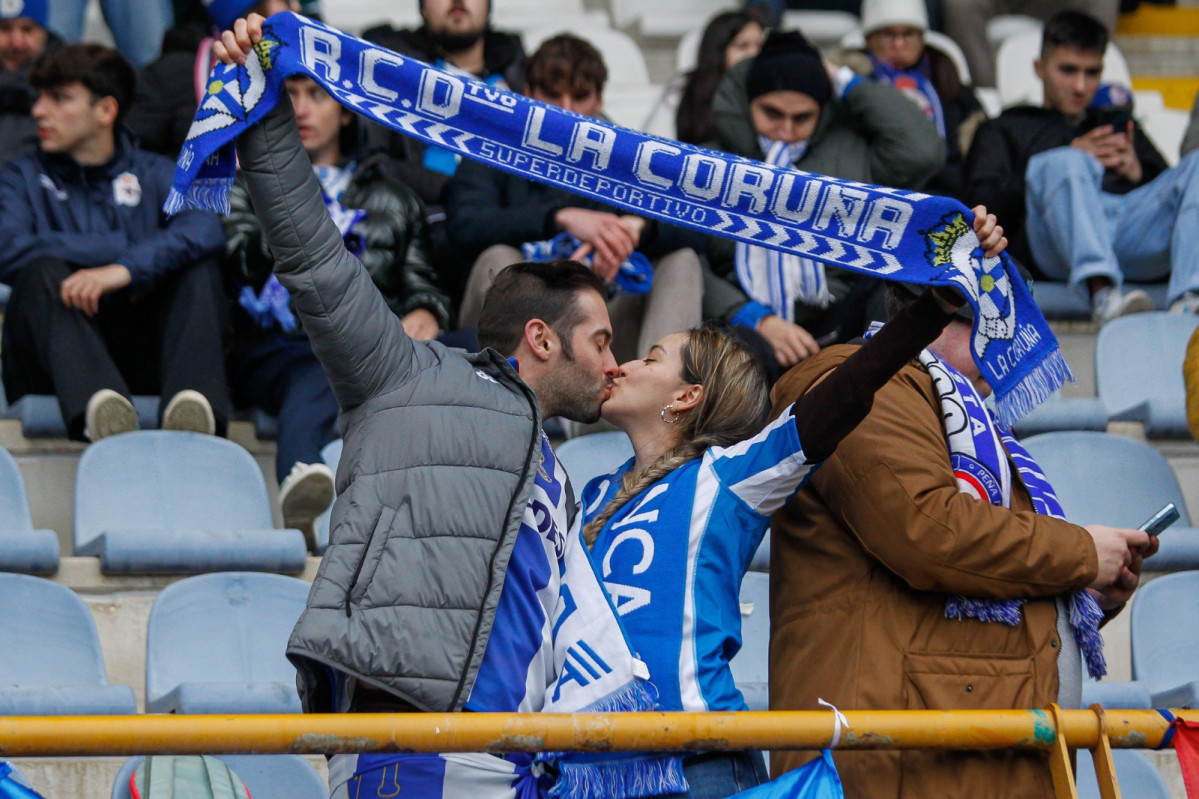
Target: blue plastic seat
[331, 455]
[51, 664]
[41, 417]
[22, 549]
[1107, 479]
[1165, 639]
[215, 644]
[265, 776]
[1060, 301]
[162, 501]
[1138, 777]
[590, 456]
[1064, 413]
[1138, 371]
[751, 666]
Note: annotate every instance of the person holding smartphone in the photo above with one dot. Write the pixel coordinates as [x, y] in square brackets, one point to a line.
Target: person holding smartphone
[1085, 195]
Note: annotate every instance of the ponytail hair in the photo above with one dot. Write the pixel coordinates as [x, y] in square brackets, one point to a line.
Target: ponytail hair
[734, 406]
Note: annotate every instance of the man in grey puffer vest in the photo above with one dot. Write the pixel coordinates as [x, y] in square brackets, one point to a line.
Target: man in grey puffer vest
[441, 451]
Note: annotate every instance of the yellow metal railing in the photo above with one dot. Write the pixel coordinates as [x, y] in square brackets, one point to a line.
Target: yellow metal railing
[1054, 730]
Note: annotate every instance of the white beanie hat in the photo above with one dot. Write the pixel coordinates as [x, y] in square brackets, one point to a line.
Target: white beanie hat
[878, 14]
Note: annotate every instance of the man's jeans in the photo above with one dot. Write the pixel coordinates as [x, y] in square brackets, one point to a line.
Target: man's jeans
[137, 25]
[1077, 231]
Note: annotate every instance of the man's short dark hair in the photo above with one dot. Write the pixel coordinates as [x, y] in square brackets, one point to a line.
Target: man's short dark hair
[547, 291]
[566, 63]
[102, 71]
[1074, 29]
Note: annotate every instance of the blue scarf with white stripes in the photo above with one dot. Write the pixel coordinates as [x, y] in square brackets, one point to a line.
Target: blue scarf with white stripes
[978, 449]
[884, 232]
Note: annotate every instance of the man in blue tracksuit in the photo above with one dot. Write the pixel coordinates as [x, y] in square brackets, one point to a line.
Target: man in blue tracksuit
[109, 298]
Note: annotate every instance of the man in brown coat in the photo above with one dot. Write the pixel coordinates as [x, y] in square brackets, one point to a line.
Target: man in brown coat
[864, 560]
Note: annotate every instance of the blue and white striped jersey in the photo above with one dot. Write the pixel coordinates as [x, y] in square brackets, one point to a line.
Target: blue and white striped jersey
[673, 558]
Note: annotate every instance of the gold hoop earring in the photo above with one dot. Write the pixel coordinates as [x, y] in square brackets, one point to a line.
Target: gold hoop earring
[670, 408]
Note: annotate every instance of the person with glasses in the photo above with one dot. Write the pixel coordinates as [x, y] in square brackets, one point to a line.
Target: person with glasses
[898, 53]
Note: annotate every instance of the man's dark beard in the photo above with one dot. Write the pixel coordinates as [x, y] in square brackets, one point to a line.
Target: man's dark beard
[450, 42]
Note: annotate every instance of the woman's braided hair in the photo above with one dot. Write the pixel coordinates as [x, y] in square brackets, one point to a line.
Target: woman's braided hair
[734, 406]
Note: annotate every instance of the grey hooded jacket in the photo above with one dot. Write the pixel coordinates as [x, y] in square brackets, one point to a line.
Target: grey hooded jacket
[438, 461]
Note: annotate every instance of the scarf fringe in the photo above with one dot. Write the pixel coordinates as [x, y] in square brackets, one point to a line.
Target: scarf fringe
[1085, 617]
[206, 194]
[1041, 380]
[620, 779]
[1004, 611]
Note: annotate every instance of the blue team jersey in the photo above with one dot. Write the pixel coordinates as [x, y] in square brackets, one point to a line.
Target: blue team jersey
[673, 558]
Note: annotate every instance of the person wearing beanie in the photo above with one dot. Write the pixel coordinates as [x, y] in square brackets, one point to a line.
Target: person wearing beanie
[24, 38]
[897, 51]
[788, 106]
[169, 89]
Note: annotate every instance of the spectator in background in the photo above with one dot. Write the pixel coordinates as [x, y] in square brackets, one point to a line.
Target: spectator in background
[109, 297]
[896, 53]
[1190, 139]
[921, 568]
[170, 89]
[729, 38]
[272, 364]
[456, 35]
[491, 214]
[965, 21]
[788, 107]
[24, 37]
[137, 26]
[1085, 194]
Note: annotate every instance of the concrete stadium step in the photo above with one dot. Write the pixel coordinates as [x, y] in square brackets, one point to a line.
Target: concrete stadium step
[1161, 44]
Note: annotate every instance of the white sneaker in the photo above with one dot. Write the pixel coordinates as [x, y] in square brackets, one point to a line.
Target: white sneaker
[189, 410]
[1187, 303]
[1116, 304]
[108, 413]
[304, 495]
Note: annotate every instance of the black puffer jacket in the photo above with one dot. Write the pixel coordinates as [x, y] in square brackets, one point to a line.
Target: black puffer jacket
[503, 54]
[999, 156]
[393, 233]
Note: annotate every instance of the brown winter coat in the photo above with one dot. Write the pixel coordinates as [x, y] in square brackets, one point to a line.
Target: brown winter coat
[861, 563]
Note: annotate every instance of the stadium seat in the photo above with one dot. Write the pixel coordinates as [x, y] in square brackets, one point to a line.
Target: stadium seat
[1116, 694]
[359, 15]
[1138, 777]
[265, 776]
[1138, 371]
[1165, 639]
[1003, 26]
[1063, 413]
[41, 417]
[1165, 127]
[331, 455]
[215, 643]
[51, 664]
[673, 18]
[823, 28]
[592, 455]
[22, 549]
[162, 501]
[1017, 81]
[1106, 479]
[751, 665]
[1059, 300]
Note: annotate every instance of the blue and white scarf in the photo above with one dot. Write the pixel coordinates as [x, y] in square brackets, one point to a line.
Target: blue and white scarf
[879, 231]
[916, 86]
[978, 448]
[780, 279]
[635, 276]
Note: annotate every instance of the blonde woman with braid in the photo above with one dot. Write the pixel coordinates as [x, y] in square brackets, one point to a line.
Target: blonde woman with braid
[673, 530]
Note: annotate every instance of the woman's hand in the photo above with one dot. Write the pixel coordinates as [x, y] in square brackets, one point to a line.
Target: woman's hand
[234, 45]
[990, 234]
